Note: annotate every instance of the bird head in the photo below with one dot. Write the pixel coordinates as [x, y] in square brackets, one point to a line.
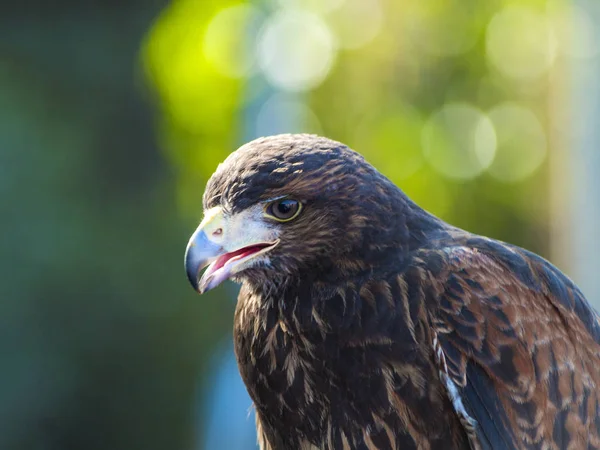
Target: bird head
[289, 207]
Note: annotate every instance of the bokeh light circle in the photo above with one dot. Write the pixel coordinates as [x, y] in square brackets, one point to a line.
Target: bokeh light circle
[284, 113]
[356, 22]
[296, 50]
[520, 43]
[459, 141]
[228, 45]
[521, 142]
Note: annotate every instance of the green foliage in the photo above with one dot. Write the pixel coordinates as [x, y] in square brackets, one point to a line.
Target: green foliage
[199, 104]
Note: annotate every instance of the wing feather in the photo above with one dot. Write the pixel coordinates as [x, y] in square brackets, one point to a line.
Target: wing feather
[521, 343]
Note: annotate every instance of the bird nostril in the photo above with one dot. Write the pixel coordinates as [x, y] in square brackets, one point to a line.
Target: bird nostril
[218, 232]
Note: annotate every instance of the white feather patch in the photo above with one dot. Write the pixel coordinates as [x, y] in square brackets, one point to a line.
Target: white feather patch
[451, 387]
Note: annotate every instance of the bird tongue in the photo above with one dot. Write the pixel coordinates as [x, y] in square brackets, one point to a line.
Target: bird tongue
[223, 260]
[220, 270]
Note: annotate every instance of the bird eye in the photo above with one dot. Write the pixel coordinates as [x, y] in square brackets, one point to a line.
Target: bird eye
[284, 210]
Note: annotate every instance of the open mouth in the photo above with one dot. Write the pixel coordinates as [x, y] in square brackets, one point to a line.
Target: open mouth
[223, 267]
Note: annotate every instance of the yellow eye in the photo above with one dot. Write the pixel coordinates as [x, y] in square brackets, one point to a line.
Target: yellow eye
[284, 210]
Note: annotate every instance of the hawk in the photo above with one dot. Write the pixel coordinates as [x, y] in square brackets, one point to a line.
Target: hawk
[364, 322]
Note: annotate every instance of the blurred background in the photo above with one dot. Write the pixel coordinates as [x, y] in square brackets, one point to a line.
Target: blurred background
[114, 114]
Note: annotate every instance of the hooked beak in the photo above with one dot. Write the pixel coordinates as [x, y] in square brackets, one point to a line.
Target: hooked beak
[214, 245]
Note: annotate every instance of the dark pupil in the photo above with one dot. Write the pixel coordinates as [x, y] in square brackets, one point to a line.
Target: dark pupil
[285, 208]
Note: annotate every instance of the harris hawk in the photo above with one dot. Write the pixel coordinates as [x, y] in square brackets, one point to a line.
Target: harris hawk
[364, 322]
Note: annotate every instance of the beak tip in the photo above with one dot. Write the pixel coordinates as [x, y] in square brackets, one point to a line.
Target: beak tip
[199, 252]
[192, 278]
[191, 269]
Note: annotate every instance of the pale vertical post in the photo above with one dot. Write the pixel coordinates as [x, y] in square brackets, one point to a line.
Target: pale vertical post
[575, 167]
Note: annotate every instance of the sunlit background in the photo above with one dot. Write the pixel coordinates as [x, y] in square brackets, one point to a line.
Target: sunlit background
[114, 114]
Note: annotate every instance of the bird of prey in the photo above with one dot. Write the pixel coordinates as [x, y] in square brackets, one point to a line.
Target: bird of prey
[364, 322]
